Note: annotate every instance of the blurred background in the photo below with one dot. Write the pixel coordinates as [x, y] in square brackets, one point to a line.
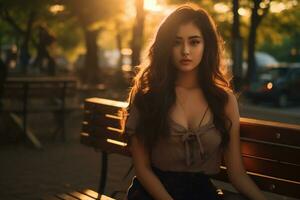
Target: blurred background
[99, 43]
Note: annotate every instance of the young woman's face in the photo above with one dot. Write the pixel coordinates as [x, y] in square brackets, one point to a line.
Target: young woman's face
[188, 48]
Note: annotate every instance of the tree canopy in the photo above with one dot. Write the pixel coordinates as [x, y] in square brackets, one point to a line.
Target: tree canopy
[84, 26]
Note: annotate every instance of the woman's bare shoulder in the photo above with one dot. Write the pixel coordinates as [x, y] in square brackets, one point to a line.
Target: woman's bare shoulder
[232, 108]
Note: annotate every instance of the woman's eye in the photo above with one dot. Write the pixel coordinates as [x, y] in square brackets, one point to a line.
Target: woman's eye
[177, 42]
[195, 42]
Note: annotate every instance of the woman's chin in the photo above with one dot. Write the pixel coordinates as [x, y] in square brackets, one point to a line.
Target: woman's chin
[186, 68]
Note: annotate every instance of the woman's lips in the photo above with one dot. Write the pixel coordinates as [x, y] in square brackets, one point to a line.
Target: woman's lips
[185, 61]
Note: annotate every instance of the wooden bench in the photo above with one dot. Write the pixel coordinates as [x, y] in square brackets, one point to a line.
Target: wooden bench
[270, 150]
[79, 195]
[21, 92]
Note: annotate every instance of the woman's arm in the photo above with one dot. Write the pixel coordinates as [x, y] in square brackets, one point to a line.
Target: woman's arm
[144, 173]
[233, 158]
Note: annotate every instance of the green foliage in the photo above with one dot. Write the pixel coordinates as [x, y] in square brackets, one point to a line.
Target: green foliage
[280, 33]
[66, 26]
[277, 34]
[283, 51]
[93, 11]
[20, 11]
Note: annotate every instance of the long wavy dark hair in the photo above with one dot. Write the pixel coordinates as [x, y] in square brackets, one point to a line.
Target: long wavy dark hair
[153, 91]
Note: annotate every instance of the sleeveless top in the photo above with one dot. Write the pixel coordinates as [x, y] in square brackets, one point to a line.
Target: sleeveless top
[185, 150]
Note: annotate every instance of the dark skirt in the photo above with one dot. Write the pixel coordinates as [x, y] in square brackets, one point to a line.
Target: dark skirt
[180, 185]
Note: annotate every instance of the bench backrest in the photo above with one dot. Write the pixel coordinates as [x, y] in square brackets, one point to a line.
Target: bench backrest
[270, 150]
[18, 88]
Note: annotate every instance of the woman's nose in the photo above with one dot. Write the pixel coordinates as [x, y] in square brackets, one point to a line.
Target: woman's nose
[185, 49]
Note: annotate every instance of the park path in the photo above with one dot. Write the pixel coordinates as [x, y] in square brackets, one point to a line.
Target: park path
[27, 173]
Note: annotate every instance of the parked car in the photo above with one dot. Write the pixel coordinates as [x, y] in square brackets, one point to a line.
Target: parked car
[279, 85]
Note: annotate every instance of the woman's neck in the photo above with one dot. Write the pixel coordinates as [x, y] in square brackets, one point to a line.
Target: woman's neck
[188, 80]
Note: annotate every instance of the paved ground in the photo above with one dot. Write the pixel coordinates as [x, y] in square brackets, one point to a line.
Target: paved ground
[26, 173]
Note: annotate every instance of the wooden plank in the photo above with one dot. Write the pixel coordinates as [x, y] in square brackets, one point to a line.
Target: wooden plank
[272, 168]
[14, 91]
[50, 90]
[65, 197]
[99, 119]
[267, 183]
[95, 195]
[38, 93]
[34, 79]
[51, 198]
[103, 133]
[45, 93]
[105, 109]
[80, 196]
[107, 102]
[90, 193]
[259, 122]
[271, 132]
[14, 87]
[271, 151]
[109, 147]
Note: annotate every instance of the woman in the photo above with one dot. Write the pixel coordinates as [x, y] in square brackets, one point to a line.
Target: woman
[183, 116]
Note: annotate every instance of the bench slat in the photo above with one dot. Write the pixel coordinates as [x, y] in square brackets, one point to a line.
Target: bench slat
[270, 184]
[273, 134]
[103, 132]
[269, 151]
[80, 196]
[106, 109]
[39, 93]
[51, 198]
[99, 119]
[95, 195]
[271, 168]
[38, 90]
[65, 197]
[99, 102]
[104, 145]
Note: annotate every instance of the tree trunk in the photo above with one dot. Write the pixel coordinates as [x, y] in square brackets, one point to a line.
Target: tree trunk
[119, 45]
[25, 35]
[251, 55]
[237, 48]
[254, 23]
[3, 75]
[251, 43]
[137, 37]
[24, 52]
[91, 68]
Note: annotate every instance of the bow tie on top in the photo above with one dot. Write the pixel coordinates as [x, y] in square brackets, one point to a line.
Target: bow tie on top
[188, 136]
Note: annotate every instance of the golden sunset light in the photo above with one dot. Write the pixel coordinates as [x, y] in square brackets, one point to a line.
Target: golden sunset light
[152, 5]
[90, 91]
[56, 8]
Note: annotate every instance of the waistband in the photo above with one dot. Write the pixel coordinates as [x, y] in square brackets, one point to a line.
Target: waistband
[180, 175]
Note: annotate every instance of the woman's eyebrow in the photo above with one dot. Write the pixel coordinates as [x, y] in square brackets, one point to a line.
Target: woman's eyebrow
[195, 37]
[190, 37]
